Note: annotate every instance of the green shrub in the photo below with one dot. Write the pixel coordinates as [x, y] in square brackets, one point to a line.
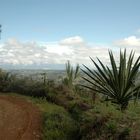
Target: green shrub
[59, 126]
[6, 80]
[51, 96]
[75, 110]
[111, 127]
[124, 134]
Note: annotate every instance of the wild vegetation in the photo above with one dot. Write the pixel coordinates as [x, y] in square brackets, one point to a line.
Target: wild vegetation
[105, 107]
[116, 83]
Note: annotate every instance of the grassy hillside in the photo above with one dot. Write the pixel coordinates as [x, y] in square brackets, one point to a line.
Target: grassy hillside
[102, 121]
[105, 107]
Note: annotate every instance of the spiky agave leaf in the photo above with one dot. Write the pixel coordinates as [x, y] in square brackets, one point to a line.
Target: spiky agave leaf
[76, 71]
[115, 82]
[71, 74]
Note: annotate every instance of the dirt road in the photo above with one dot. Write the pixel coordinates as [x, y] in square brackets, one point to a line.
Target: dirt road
[19, 119]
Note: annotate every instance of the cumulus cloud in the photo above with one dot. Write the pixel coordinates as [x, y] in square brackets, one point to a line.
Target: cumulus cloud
[131, 43]
[72, 41]
[75, 49]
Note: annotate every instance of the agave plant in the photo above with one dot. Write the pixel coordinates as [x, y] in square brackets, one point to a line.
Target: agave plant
[71, 75]
[115, 82]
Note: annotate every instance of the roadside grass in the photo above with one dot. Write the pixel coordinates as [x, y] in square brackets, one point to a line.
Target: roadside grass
[57, 122]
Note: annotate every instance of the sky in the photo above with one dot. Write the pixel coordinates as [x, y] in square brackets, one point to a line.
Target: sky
[44, 34]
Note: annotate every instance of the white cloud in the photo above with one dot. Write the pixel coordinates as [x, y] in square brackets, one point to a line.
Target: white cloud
[74, 49]
[58, 49]
[72, 41]
[132, 41]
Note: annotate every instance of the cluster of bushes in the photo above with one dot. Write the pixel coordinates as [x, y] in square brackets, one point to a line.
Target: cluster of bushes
[26, 85]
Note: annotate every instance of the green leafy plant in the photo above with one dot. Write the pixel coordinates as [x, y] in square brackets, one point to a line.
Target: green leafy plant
[6, 79]
[111, 127]
[58, 125]
[71, 75]
[115, 82]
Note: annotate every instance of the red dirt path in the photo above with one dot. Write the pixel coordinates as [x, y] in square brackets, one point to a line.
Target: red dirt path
[19, 119]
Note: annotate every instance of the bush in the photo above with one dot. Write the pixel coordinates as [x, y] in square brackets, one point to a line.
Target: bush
[111, 128]
[124, 134]
[59, 126]
[75, 110]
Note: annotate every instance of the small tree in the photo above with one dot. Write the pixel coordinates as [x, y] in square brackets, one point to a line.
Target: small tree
[116, 83]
